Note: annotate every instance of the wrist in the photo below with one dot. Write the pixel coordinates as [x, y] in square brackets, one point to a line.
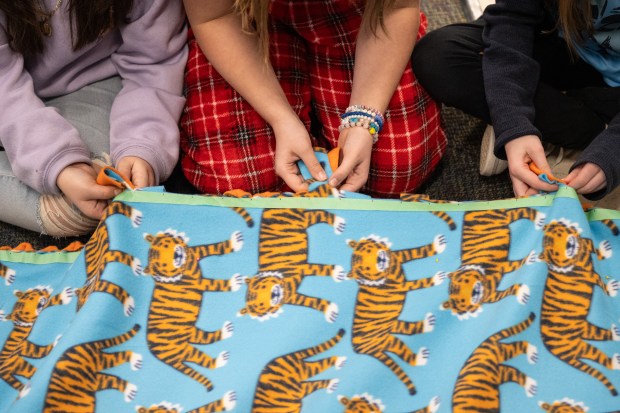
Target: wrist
[522, 142]
[69, 169]
[277, 111]
[363, 117]
[71, 174]
[284, 123]
[360, 131]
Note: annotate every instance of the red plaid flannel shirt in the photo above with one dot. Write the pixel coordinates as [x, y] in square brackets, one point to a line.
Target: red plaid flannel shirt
[226, 145]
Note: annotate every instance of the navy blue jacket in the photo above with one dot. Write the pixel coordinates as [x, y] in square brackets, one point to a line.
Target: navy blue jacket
[511, 77]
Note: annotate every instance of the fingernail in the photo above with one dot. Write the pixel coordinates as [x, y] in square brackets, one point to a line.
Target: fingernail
[322, 176]
[333, 182]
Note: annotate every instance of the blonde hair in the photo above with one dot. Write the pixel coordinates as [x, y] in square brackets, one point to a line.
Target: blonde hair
[255, 18]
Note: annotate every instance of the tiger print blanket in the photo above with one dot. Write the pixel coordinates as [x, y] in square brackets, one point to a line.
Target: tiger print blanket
[330, 302]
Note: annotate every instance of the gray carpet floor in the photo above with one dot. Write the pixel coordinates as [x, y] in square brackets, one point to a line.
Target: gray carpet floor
[456, 178]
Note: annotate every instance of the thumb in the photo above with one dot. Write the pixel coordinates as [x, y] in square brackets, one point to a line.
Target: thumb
[540, 160]
[314, 166]
[341, 173]
[573, 174]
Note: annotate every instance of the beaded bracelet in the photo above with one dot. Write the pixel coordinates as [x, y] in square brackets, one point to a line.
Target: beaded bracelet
[378, 117]
[365, 117]
[371, 126]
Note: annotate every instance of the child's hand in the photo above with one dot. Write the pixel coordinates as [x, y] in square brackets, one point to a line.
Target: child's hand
[137, 170]
[292, 144]
[77, 182]
[520, 152]
[586, 178]
[356, 146]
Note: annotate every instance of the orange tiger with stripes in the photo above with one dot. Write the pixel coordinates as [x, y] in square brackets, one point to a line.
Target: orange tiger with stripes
[383, 288]
[225, 404]
[567, 298]
[477, 385]
[365, 403]
[78, 375]
[98, 255]
[565, 405]
[285, 381]
[484, 261]
[7, 273]
[283, 261]
[177, 299]
[24, 315]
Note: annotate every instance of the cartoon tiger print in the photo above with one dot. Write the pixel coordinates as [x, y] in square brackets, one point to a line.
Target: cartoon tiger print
[439, 214]
[284, 381]
[163, 407]
[365, 403]
[78, 375]
[612, 226]
[242, 212]
[283, 262]
[177, 299]
[567, 298]
[98, 255]
[361, 403]
[485, 250]
[565, 405]
[383, 288]
[7, 273]
[477, 385]
[24, 315]
[322, 191]
[225, 404]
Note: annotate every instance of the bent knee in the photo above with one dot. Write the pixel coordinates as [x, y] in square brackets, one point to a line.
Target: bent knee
[59, 218]
[442, 58]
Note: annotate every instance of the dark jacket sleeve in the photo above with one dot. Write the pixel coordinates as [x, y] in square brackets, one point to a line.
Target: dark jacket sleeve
[604, 151]
[510, 72]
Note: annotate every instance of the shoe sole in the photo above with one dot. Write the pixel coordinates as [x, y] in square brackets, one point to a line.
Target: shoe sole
[490, 164]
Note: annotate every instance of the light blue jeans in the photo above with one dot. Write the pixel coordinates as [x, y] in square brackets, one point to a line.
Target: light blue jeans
[88, 110]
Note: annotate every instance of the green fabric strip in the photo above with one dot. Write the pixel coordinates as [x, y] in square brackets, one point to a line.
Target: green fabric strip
[601, 214]
[58, 257]
[309, 203]
[336, 204]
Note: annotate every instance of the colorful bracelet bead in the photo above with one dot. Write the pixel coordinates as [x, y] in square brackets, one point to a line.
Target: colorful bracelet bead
[365, 117]
[366, 109]
[363, 122]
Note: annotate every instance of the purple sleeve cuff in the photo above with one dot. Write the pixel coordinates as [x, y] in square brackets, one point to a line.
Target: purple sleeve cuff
[57, 164]
[161, 169]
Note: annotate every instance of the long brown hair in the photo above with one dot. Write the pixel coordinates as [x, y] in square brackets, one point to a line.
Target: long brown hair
[254, 15]
[575, 20]
[90, 19]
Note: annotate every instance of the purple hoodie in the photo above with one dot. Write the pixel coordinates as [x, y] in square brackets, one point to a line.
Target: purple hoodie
[149, 54]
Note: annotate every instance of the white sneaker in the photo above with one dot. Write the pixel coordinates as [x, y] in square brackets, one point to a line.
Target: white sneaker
[474, 8]
[489, 163]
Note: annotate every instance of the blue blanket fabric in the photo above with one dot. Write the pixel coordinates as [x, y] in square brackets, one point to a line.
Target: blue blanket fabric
[313, 304]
